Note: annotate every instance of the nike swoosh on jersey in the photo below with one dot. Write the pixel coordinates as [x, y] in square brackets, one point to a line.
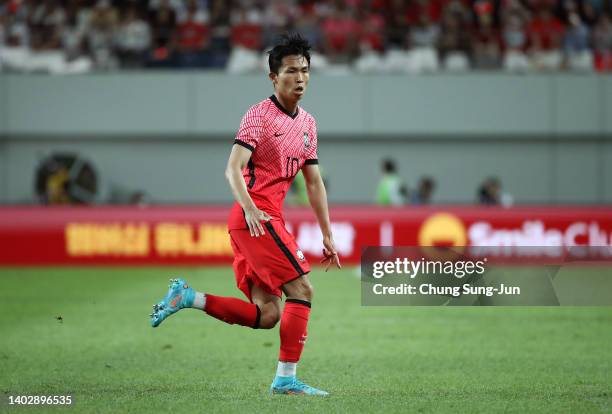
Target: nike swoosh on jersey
[276, 134]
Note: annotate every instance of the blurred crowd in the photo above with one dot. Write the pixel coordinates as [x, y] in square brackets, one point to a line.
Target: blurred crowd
[363, 36]
[393, 191]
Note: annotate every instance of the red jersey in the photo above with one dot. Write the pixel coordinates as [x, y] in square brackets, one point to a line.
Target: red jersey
[281, 144]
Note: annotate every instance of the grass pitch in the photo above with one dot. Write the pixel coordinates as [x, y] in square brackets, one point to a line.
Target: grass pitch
[104, 353]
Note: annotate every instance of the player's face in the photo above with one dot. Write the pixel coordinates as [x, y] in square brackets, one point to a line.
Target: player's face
[292, 78]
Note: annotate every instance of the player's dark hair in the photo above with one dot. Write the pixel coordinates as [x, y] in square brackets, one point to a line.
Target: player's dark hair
[289, 44]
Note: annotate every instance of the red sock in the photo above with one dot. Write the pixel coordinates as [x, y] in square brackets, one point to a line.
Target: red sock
[233, 310]
[293, 329]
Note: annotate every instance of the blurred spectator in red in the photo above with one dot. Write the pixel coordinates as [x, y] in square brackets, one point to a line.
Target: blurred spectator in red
[602, 43]
[371, 36]
[103, 21]
[454, 43]
[133, 39]
[371, 43]
[246, 40]
[432, 8]
[163, 25]
[545, 35]
[46, 22]
[247, 29]
[515, 42]
[341, 33]
[486, 42]
[193, 36]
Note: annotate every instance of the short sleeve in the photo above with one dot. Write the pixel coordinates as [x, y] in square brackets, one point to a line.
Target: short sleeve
[251, 128]
[312, 155]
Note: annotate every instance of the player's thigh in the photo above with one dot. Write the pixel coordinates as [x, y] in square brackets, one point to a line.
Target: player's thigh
[269, 305]
[299, 288]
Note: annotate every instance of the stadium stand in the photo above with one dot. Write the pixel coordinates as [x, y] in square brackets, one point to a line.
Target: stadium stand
[362, 36]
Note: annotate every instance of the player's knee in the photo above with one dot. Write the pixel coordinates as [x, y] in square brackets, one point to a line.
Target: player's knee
[309, 292]
[300, 289]
[270, 315]
[306, 291]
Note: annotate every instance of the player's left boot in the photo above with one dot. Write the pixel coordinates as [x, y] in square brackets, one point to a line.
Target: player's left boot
[179, 296]
[293, 386]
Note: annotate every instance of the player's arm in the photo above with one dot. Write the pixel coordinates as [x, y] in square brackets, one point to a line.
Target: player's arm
[318, 201]
[238, 159]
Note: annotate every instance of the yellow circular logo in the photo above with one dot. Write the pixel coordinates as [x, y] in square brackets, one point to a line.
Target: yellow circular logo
[442, 230]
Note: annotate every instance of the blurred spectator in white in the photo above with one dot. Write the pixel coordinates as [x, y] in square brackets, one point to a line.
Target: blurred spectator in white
[74, 30]
[371, 44]
[340, 34]
[246, 40]
[193, 36]
[73, 35]
[133, 39]
[162, 19]
[515, 41]
[46, 23]
[486, 48]
[454, 42]
[578, 56]
[391, 191]
[14, 49]
[424, 192]
[103, 21]
[423, 38]
[545, 37]
[602, 43]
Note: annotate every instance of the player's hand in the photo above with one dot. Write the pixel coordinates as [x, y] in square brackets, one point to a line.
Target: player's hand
[330, 255]
[254, 217]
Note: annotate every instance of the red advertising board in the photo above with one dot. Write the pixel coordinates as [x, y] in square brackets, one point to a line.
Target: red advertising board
[197, 235]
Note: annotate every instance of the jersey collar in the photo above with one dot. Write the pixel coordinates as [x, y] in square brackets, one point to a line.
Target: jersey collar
[282, 108]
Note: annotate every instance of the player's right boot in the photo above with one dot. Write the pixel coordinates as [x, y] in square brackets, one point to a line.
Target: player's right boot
[293, 386]
[179, 296]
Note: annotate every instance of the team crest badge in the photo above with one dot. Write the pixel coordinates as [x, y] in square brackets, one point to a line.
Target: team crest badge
[306, 140]
[300, 255]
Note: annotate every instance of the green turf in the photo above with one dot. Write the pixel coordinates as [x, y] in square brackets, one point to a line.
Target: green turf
[371, 359]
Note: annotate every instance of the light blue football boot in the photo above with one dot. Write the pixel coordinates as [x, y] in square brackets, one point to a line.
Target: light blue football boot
[293, 386]
[179, 296]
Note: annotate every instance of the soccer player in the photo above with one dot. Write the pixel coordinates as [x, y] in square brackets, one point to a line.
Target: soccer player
[277, 138]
